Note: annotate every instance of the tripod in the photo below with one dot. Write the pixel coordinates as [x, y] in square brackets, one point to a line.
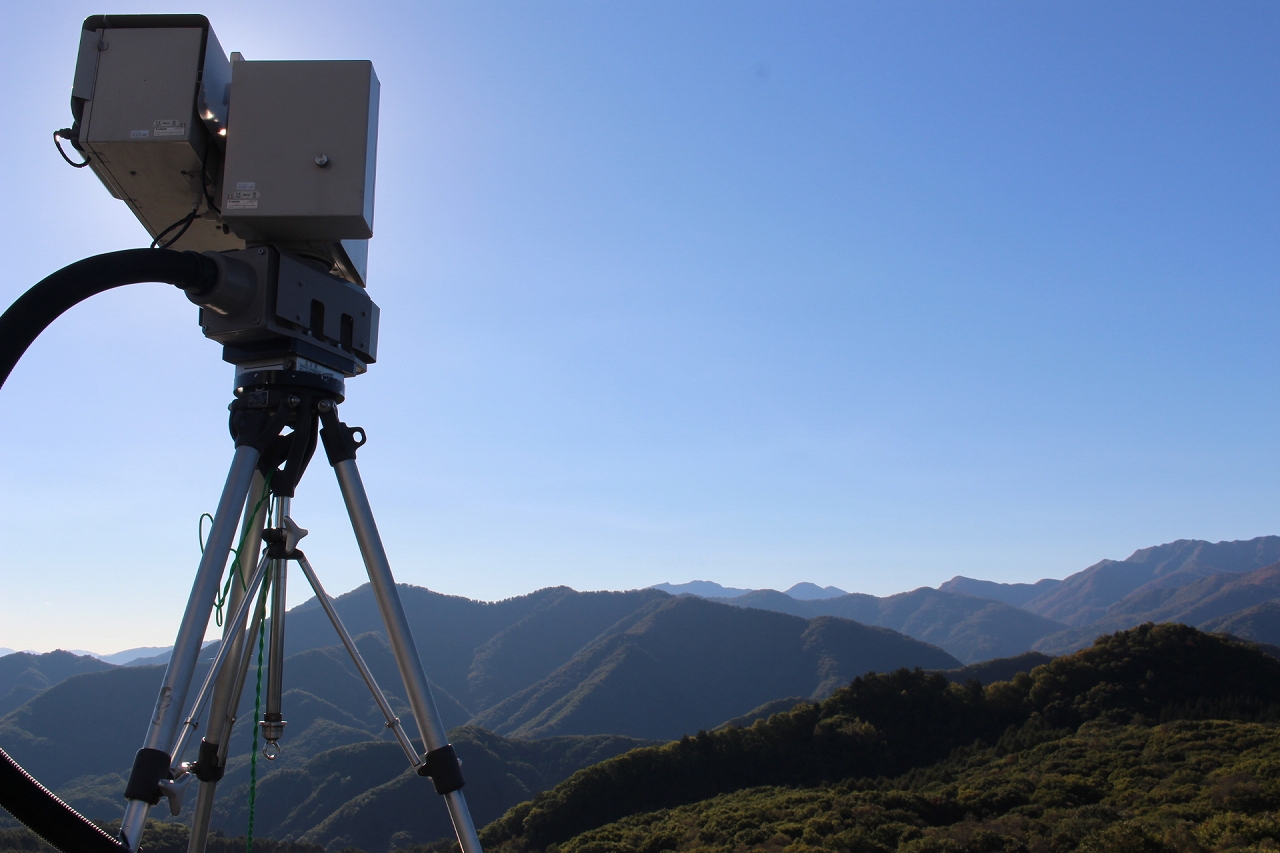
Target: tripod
[270, 461]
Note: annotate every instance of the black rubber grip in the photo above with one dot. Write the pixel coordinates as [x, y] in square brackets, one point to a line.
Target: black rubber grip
[40, 810]
[149, 767]
[443, 767]
[207, 768]
[34, 310]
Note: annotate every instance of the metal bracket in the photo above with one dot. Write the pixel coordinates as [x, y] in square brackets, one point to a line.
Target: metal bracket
[282, 542]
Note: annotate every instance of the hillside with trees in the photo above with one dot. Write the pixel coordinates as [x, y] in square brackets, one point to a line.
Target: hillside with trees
[1153, 686]
[554, 681]
[1160, 738]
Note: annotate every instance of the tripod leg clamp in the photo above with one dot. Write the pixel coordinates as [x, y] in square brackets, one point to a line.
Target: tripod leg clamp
[340, 440]
[149, 767]
[443, 767]
[207, 768]
[254, 427]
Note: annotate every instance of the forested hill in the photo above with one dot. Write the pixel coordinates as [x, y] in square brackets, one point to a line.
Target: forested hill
[616, 668]
[886, 725]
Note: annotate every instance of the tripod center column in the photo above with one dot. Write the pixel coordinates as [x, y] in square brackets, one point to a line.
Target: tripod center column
[273, 722]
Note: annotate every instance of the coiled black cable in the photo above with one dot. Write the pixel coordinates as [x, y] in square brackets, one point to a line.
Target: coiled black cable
[34, 310]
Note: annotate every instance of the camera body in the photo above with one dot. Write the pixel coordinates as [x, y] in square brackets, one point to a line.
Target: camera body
[270, 162]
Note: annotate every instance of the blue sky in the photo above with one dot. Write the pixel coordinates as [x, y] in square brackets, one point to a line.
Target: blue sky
[864, 294]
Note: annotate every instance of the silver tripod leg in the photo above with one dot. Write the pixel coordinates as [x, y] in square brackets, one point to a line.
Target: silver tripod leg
[215, 670]
[402, 646]
[393, 722]
[153, 759]
[226, 691]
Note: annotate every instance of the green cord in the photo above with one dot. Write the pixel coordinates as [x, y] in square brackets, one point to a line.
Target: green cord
[221, 600]
[219, 603]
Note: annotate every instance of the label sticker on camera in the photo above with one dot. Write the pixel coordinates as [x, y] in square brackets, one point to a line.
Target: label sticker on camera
[139, 134]
[169, 127]
[242, 200]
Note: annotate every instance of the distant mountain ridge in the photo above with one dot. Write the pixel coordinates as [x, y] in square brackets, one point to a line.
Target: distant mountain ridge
[1085, 597]
[705, 589]
[1203, 584]
[804, 591]
[24, 675]
[972, 629]
[1207, 602]
[1016, 594]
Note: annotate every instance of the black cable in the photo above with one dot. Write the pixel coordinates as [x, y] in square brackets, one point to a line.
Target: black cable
[185, 222]
[204, 180]
[67, 133]
[34, 310]
[41, 811]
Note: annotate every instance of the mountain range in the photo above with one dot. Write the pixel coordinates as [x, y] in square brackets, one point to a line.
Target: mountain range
[804, 591]
[539, 686]
[542, 685]
[1229, 587]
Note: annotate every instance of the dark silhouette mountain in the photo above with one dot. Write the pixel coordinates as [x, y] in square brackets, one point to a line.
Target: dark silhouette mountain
[88, 724]
[972, 629]
[546, 638]
[1016, 594]
[478, 651]
[1260, 623]
[1085, 597]
[23, 674]
[682, 664]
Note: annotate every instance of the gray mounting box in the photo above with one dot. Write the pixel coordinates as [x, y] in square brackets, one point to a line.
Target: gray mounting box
[302, 144]
[150, 96]
[297, 310]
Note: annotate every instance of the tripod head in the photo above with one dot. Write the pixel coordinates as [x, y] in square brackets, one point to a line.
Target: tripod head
[270, 400]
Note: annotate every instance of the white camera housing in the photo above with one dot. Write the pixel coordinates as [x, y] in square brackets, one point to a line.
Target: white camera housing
[266, 152]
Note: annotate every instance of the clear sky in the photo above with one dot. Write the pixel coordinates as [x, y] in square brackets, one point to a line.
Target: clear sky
[864, 294]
